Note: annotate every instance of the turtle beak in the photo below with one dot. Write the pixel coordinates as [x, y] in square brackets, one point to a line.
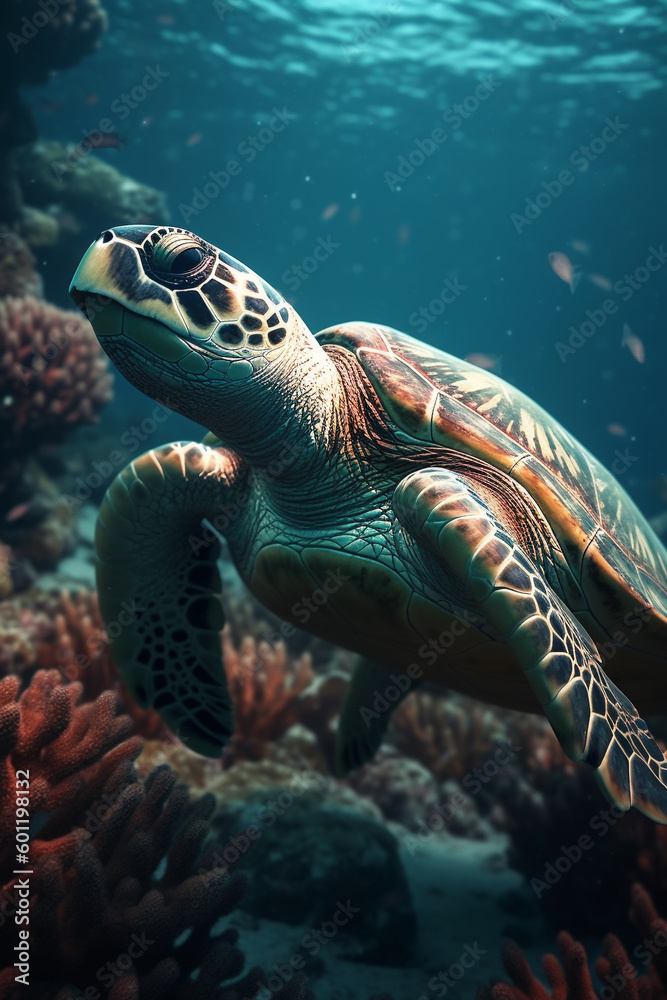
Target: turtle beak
[91, 275]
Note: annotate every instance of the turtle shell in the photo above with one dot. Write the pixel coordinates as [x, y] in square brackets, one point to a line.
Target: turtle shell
[436, 399]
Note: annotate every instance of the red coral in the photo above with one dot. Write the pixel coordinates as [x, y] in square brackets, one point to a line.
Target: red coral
[95, 887]
[570, 979]
[54, 373]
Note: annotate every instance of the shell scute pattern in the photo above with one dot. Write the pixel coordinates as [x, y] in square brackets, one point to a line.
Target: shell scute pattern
[436, 397]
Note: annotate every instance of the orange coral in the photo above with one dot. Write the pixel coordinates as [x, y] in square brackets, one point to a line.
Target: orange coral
[570, 979]
[266, 690]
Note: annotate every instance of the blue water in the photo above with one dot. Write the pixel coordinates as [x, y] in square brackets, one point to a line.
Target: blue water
[359, 86]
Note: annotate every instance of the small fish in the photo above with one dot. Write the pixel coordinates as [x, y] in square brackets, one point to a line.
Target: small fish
[193, 139]
[486, 361]
[17, 512]
[92, 99]
[633, 344]
[330, 211]
[618, 430]
[600, 281]
[404, 234]
[109, 140]
[562, 266]
[51, 107]
[165, 19]
[580, 246]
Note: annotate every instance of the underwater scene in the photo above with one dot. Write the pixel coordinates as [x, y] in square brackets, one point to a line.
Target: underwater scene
[333, 500]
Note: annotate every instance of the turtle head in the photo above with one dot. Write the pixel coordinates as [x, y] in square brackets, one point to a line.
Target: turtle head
[185, 322]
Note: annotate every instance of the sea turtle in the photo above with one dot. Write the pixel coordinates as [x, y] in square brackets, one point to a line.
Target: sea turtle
[378, 492]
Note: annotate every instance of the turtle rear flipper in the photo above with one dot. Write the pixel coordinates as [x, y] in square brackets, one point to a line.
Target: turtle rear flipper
[592, 719]
[363, 719]
[159, 588]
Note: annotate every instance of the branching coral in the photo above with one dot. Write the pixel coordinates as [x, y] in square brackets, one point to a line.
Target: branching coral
[449, 735]
[570, 978]
[266, 689]
[54, 374]
[121, 869]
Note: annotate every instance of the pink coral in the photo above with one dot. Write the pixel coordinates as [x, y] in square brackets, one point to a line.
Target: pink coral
[54, 373]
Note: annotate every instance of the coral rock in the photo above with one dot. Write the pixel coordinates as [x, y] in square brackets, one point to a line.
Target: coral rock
[18, 276]
[54, 374]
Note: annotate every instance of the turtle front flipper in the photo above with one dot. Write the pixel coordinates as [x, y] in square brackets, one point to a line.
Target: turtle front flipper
[592, 719]
[159, 587]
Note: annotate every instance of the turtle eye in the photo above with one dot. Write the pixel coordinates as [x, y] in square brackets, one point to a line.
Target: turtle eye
[177, 254]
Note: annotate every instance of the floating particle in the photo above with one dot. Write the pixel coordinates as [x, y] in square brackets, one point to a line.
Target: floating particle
[600, 281]
[486, 361]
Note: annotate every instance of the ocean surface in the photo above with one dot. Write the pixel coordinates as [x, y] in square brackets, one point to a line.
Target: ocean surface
[361, 85]
[488, 177]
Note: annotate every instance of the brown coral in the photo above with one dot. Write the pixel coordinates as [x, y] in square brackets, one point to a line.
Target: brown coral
[54, 374]
[570, 979]
[448, 734]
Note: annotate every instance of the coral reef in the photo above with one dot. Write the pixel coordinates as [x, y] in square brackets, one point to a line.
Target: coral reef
[18, 275]
[53, 377]
[266, 689]
[570, 978]
[449, 735]
[38, 41]
[95, 885]
[306, 852]
[54, 373]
